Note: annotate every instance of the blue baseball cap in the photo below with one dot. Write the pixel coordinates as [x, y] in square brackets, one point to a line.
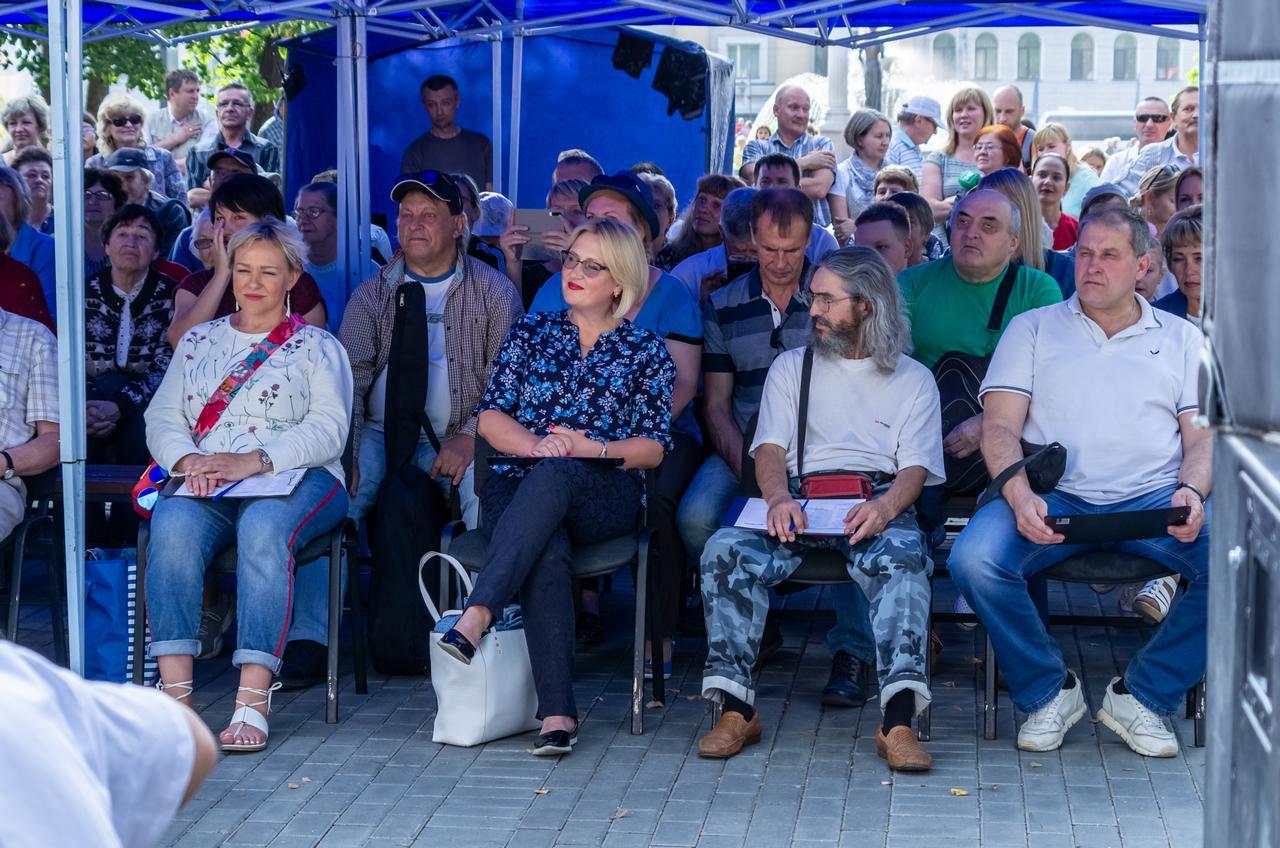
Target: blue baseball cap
[634, 189]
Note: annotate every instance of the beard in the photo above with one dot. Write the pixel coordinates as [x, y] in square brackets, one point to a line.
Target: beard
[840, 341]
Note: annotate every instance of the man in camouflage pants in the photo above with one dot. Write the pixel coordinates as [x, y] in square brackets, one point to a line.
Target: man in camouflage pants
[872, 409]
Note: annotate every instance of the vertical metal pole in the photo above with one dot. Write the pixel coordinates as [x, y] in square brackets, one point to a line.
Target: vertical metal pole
[496, 137]
[66, 82]
[517, 74]
[353, 147]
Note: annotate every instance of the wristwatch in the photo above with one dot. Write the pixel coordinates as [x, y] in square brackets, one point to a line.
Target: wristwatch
[265, 460]
[8, 466]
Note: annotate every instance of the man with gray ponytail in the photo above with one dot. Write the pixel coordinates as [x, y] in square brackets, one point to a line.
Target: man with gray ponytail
[869, 409]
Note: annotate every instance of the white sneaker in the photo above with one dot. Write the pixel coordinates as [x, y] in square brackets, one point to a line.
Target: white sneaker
[961, 607]
[1142, 730]
[1045, 728]
[1155, 598]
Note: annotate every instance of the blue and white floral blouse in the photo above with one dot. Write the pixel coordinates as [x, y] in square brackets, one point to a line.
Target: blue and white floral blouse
[619, 390]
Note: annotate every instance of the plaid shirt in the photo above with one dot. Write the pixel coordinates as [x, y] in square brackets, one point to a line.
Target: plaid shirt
[743, 332]
[28, 378]
[804, 145]
[479, 310]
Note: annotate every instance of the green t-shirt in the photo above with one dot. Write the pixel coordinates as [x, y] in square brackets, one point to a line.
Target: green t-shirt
[949, 314]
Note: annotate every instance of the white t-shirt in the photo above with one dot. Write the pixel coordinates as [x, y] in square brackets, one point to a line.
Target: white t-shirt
[1113, 403]
[699, 265]
[102, 764]
[860, 418]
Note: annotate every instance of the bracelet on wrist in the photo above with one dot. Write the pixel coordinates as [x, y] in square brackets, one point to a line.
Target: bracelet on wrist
[1185, 485]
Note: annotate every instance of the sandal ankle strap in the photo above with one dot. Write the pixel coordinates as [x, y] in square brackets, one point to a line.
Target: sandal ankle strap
[186, 684]
[262, 693]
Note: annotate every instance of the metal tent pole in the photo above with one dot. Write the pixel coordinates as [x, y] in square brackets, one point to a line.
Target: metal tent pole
[353, 148]
[517, 75]
[66, 54]
[496, 130]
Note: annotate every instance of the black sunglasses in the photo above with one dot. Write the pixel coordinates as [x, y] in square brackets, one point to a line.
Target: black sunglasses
[1151, 119]
[136, 120]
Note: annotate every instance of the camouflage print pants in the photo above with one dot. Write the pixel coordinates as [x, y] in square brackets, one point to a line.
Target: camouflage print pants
[739, 566]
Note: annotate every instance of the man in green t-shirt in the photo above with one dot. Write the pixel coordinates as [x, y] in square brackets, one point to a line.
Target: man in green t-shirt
[949, 300]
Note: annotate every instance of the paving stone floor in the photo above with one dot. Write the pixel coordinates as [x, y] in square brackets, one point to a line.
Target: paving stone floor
[377, 779]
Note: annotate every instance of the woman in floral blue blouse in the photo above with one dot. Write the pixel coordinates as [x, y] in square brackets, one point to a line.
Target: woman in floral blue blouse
[578, 383]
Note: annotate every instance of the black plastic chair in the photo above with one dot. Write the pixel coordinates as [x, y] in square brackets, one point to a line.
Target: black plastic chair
[1099, 567]
[341, 539]
[470, 547]
[39, 522]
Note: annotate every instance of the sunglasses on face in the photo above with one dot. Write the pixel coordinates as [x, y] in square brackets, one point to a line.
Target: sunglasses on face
[136, 120]
[1151, 119]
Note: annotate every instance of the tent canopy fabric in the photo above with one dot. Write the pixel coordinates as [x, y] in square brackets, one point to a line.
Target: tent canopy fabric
[835, 22]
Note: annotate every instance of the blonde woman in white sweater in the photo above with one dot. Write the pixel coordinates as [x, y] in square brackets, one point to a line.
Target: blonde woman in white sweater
[290, 412]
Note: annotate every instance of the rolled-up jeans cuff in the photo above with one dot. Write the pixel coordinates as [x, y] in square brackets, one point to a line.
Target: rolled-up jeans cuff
[174, 647]
[245, 656]
[715, 687]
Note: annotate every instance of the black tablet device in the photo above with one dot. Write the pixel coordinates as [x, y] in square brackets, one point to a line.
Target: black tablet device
[1117, 526]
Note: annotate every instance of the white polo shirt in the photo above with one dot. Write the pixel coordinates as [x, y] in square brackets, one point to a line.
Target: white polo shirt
[860, 418]
[1113, 403]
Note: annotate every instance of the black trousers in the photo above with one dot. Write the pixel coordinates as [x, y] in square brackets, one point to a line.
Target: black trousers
[667, 554]
[532, 524]
[125, 445]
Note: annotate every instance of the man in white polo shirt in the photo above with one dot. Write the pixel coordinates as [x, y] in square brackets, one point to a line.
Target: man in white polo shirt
[1115, 382]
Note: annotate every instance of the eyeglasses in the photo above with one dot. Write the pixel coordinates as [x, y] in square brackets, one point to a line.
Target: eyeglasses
[202, 244]
[1151, 119]
[234, 104]
[136, 120]
[312, 212]
[822, 301]
[98, 195]
[590, 268]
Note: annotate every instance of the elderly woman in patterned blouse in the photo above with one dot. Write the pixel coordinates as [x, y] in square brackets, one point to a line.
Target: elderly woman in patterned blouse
[290, 414]
[568, 386]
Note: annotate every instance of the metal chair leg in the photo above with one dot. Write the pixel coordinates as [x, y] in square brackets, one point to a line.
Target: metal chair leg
[924, 727]
[140, 607]
[1197, 715]
[991, 698]
[637, 659]
[359, 636]
[336, 537]
[58, 599]
[15, 585]
[654, 607]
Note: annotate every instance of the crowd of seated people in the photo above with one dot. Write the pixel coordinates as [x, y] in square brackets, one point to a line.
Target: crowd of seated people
[224, 339]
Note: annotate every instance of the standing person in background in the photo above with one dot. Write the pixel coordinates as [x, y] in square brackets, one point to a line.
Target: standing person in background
[1051, 177]
[316, 212]
[447, 146]
[813, 153]
[996, 148]
[1182, 150]
[1182, 245]
[918, 120]
[119, 128]
[234, 109]
[185, 121]
[1010, 110]
[1054, 138]
[35, 166]
[1150, 125]
[867, 134]
[272, 128]
[26, 119]
[1155, 197]
[88, 137]
[1188, 189]
[969, 111]
[1095, 159]
[30, 246]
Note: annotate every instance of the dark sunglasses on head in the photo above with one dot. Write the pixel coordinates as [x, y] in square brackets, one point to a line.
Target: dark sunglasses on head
[136, 120]
[1151, 119]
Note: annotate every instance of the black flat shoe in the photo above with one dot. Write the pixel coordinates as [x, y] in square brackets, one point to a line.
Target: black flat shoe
[847, 684]
[458, 646]
[555, 744]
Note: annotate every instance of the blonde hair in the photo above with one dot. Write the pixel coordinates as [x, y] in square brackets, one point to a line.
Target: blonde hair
[1017, 186]
[624, 256]
[117, 106]
[282, 234]
[1055, 132]
[960, 98]
[33, 105]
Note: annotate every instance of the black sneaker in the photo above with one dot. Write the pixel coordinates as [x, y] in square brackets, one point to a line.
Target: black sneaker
[847, 684]
[304, 665]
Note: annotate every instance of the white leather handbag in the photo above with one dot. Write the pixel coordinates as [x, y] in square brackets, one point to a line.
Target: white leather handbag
[489, 699]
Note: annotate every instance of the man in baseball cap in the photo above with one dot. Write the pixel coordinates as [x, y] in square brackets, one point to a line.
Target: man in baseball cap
[130, 164]
[918, 119]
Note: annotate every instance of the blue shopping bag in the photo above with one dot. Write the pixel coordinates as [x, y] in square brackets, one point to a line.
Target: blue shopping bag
[110, 607]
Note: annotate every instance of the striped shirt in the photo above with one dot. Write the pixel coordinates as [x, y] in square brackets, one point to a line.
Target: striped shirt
[28, 378]
[743, 331]
[905, 152]
[803, 146]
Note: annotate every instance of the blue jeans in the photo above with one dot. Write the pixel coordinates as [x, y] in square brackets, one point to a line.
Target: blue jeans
[186, 534]
[709, 495]
[311, 598]
[991, 562]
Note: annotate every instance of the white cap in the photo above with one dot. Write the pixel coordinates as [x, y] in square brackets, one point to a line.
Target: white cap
[925, 107]
[495, 214]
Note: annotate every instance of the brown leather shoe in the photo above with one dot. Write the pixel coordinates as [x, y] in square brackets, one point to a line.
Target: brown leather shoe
[903, 751]
[730, 735]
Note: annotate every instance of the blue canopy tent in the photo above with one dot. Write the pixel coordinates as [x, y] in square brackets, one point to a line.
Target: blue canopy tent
[72, 23]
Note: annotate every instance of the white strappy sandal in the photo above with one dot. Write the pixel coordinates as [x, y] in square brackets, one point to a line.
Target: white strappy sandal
[186, 684]
[246, 714]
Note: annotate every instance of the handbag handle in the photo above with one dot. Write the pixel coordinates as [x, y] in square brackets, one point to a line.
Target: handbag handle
[422, 587]
[997, 485]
